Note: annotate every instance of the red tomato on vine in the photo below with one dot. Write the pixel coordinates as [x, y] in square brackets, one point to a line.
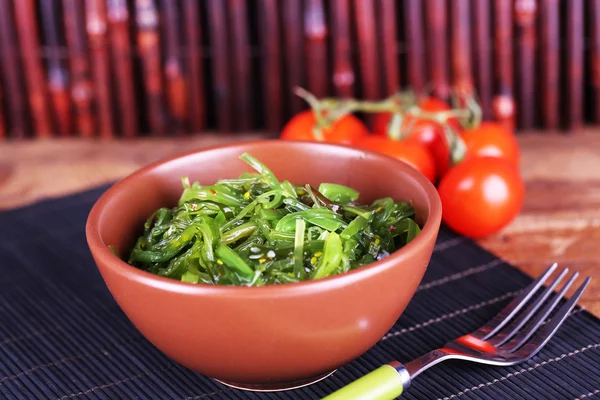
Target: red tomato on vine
[425, 132]
[493, 140]
[413, 154]
[481, 195]
[343, 131]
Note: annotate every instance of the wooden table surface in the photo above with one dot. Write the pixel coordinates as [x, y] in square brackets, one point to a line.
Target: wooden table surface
[560, 220]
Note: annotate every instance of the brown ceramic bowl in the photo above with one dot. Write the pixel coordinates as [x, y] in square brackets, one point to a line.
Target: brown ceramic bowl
[274, 336]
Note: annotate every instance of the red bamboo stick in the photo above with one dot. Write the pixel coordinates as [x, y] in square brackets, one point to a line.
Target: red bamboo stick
[96, 28]
[503, 103]
[27, 30]
[389, 47]
[575, 63]
[549, 25]
[148, 43]
[196, 102]
[367, 44]
[482, 54]
[81, 86]
[437, 49]
[271, 71]
[174, 70]
[415, 44]
[315, 32]
[242, 78]
[3, 128]
[12, 72]
[118, 19]
[343, 74]
[461, 46]
[294, 60]
[595, 55]
[220, 63]
[525, 16]
[58, 76]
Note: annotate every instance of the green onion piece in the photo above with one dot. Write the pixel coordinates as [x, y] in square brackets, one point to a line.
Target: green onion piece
[210, 233]
[312, 196]
[366, 214]
[233, 260]
[332, 257]
[190, 277]
[354, 228]
[412, 231]
[220, 218]
[238, 233]
[330, 224]
[241, 215]
[338, 193]
[262, 169]
[167, 250]
[209, 193]
[299, 249]
[288, 190]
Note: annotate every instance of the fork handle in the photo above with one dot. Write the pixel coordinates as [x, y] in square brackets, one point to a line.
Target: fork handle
[385, 383]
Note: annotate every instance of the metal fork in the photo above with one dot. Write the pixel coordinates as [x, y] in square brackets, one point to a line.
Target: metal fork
[509, 338]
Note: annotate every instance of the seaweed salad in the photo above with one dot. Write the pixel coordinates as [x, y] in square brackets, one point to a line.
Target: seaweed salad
[256, 230]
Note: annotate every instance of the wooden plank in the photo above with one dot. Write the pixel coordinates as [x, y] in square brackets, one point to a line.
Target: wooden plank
[367, 46]
[272, 67]
[525, 17]
[482, 54]
[575, 64]
[58, 75]
[462, 71]
[121, 48]
[242, 72]
[220, 64]
[97, 32]
[413, 15]
[176, 81]
[315, 34]
[343, 73]
[12, 72]
[28, 33]
[81, 82]
[437, 47]
[503, 104]
[389, 46]
[594, 17]
[196, 102]
[148, 44]
[550, 76]
[293, 59]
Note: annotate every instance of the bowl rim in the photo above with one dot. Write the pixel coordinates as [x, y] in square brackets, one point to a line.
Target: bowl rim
[102, 253]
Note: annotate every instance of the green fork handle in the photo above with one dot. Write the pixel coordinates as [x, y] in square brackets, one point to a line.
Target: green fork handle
[385, 383]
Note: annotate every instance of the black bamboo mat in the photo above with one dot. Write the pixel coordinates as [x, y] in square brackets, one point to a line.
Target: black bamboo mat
[62, 335]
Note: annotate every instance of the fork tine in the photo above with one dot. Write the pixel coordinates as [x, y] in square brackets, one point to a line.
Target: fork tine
[531, 348]
[504, 316]
[531, 328]
[525, 316]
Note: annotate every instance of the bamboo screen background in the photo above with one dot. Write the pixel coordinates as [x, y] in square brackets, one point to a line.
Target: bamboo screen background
[124, 68]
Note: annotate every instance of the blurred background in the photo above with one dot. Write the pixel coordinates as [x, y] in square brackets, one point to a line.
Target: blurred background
[125, 68]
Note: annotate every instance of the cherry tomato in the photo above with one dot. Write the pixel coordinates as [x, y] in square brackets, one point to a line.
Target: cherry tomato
[413, 154]
[493, 140]
[423, 131]
[480, 196]
[344, 131]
